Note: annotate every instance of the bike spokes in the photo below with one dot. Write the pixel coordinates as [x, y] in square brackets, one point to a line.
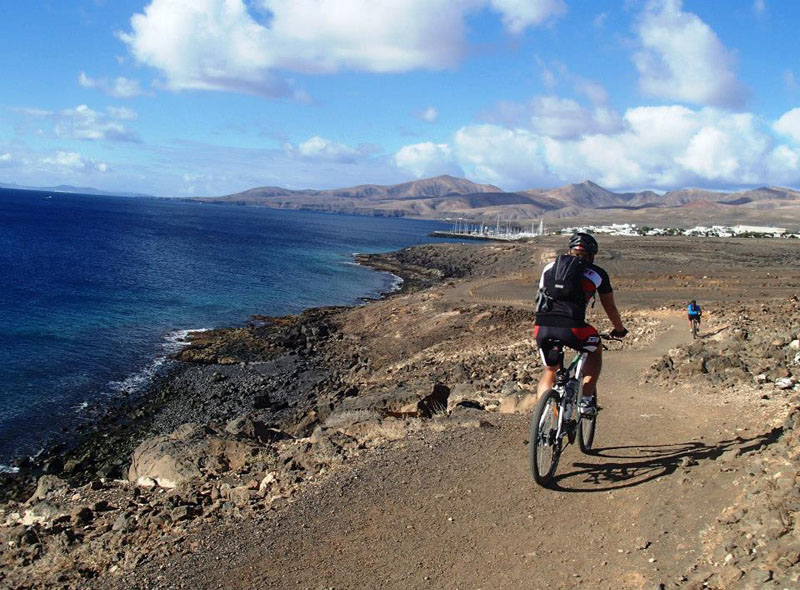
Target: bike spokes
[545, 444]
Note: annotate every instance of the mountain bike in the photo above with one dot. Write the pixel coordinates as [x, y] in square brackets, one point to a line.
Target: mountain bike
[553, 420]
[695, 326]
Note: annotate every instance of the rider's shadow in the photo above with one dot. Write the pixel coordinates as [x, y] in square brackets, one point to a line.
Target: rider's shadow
[629, 466]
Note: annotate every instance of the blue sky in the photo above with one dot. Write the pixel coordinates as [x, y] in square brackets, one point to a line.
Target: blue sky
[210, 97]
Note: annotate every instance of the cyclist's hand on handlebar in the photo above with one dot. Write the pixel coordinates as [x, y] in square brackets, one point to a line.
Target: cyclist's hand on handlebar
[618, 334]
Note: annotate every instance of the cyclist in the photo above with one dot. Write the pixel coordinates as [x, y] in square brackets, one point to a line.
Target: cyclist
[563, 318]
[694, 312]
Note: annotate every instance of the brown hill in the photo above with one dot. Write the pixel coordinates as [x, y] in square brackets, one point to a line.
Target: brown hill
[684, 196]
[585, 194]
[447, 196]
[768, 194]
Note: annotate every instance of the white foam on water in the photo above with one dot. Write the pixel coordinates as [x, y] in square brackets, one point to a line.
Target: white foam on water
[138, 380]
[397, 283]
[8, 469]
[177, 339]
[134, 383]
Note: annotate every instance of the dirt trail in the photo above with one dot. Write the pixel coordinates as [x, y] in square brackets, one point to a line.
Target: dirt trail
[457, 508]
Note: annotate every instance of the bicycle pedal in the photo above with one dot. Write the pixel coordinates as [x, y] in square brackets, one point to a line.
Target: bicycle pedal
[571, 430]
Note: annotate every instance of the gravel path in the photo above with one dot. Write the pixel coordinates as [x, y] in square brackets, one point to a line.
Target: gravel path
[457, 508]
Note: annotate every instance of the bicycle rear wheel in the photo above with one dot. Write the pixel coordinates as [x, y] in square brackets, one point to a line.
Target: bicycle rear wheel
[586, 433]
[545, 448]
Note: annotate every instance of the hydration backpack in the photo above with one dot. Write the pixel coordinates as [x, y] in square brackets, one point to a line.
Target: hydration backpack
[562, 289]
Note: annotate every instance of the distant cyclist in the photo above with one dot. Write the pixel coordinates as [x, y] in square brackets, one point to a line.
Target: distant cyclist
[565, 289]
[694, 312]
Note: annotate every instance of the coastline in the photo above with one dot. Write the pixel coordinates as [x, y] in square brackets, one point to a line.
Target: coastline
[400, 397]
[101, 447]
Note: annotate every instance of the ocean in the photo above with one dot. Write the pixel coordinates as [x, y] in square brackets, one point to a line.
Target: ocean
[96, 291]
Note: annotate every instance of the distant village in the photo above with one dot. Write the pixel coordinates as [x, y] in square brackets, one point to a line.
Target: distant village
[505, 231]
[714, 231]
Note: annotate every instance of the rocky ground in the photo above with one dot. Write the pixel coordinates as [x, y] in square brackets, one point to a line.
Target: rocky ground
[272, 444]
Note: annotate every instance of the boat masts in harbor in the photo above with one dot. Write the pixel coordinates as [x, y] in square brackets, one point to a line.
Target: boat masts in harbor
[500, 230]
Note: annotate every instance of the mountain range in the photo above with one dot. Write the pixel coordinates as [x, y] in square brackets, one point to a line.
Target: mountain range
[68, 188]
[444, 197]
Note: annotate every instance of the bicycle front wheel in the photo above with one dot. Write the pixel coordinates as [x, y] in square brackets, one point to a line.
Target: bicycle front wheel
[545, 447]
[586, 433]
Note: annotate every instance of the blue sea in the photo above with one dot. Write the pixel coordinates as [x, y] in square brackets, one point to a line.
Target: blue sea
[95, 291]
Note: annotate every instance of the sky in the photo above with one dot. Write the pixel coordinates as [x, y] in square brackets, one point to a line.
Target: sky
[211, 97]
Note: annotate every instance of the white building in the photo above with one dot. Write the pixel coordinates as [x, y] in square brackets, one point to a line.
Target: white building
[758, 229]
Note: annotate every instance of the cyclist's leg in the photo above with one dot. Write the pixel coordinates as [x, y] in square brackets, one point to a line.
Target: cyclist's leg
[588, 340]
[552, 362]
[591, 372]
[547, 379]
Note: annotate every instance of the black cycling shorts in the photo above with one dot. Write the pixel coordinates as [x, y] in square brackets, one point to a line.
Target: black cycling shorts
[552, 339]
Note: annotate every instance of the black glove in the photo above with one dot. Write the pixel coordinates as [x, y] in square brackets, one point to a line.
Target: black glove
[616, 334]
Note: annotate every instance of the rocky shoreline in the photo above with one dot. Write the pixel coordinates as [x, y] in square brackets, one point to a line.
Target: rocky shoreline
[271, 367]
[275, 367]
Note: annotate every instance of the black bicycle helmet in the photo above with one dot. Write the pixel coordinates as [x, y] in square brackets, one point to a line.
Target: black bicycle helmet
[583, 241]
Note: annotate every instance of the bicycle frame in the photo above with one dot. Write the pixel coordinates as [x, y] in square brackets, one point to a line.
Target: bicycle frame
[573, 371]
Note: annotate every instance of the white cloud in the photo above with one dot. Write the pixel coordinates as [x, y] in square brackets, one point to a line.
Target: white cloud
[239, 46]
[789, 124]
[38, 168]
[672, 146]
[85, 123]
[594, 91]
[681, 58]
[662, 147]
[518, 15]
[728, 148]
[759, 7]
[558, 117]
[319, 149]
[427, 159]
[782, 165]
[504, 157]
[118, 87]
[558, 71]
[790, 80]
[122, 113]
[429, 115]
[552, 116]
[75, 162]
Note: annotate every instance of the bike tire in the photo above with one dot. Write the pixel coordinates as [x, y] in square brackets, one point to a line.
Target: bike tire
[586, 433]
[544, 450]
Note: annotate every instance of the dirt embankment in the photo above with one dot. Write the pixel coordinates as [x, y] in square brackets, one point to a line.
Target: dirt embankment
[297, 450]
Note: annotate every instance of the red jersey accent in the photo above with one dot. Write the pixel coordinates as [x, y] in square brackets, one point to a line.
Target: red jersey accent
[584, 332]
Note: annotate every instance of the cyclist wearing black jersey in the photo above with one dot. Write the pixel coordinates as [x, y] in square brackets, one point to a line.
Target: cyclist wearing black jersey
[565, 321]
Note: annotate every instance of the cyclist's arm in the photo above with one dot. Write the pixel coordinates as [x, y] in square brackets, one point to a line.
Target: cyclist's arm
[607, 301]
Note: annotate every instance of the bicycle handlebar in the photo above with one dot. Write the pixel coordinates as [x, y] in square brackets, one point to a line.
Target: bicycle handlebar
[613, 336]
